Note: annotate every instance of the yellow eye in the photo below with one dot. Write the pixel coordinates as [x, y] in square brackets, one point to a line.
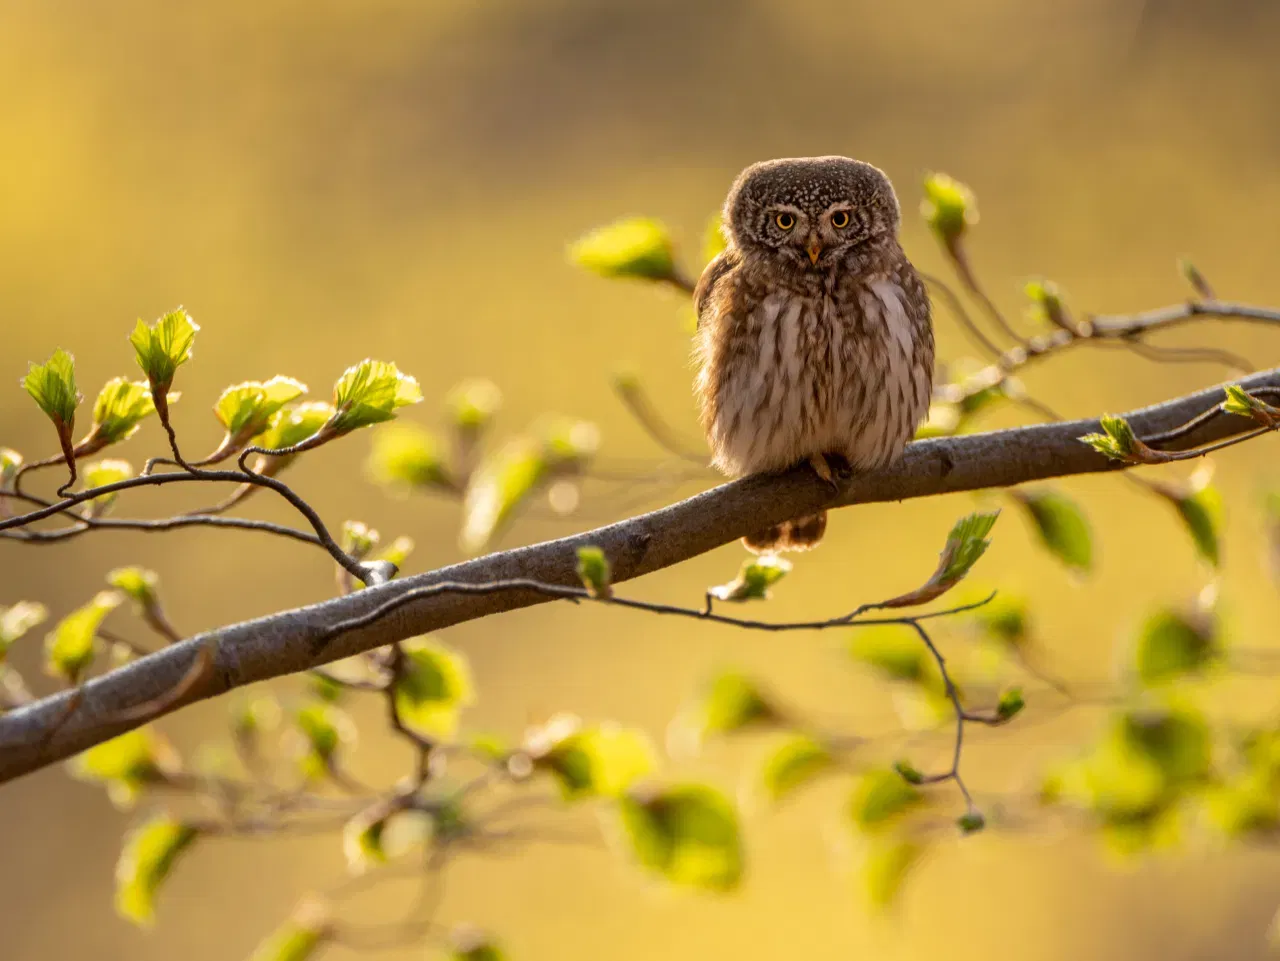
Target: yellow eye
[785, 220]
[840, 219]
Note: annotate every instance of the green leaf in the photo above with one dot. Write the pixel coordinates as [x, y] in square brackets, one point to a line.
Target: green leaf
[397, 552]
[600, 761]
[637, 247]
[1173, 644]
[52, 385]
[121, 406]
[16, 620]
[894, 650]
[594, 571]
[433, 687]
[292, 425]
[497, 488]
[1004, 618]
[1242, 403]
[971, 822]
[908, 772]
[10, 461]
[101, 473]
[948, 207]
[754, 579]
[138, 584]
[325, 728]
[713, 238]
[246, 410]
[299, 938]
[69, 647]
[362, 838]
[1010, 704]
[164, 346]
[358, 538]
[942, 421]
[1201, 510]
[728, 703]
[1117, 441]
[126, 764]
[369, 393]
[1062, 526]
[472, 404]
[149, 854]
[1244, 805]
[887, 863]
[405, 455]
[688, 833]
[966, 543]
[881, 798]
[472, 944]
[1046, 301]
[793, 763]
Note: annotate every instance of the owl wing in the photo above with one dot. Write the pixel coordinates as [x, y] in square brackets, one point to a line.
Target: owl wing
[712, 274]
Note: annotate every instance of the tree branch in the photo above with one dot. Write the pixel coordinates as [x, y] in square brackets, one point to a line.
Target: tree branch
[284, 643]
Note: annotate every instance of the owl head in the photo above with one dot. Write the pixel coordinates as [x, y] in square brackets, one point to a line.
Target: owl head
[810, 210]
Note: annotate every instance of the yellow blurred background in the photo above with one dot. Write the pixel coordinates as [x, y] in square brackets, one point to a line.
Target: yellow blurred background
[319, 182]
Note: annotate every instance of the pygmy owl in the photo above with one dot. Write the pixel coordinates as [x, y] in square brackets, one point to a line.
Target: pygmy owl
[814, 338]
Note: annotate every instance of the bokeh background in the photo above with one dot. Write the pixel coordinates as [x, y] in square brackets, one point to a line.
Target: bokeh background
[319, 182]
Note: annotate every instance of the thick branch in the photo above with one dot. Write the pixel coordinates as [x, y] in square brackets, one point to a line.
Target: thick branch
[283, 643]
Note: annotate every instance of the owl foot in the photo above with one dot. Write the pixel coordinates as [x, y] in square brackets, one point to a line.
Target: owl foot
[830, 467]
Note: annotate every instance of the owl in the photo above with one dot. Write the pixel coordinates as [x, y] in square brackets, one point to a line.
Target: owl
[814, 340]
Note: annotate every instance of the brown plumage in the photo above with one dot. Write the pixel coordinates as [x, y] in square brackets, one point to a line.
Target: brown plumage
[814, 338]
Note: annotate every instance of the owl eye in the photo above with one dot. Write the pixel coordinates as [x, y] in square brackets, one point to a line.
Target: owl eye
[840, 219]
[785, 220]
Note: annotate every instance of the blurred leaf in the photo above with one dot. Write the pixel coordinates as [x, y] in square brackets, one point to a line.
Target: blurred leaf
[594, 571]
[358, 538]
[965, 544]
[1010, 704]
[52, 385]
[713, 242]
[299, 938]
[246, 410]
[408, 456]
[16, 620]
[291, 425]
[136, 583]
[1243, 805]
[1173, 643]
[362, 838]
[433, 687]
[252, 716]
[1004, 618]
[150, 851]
[10, 461]
[472, 944]
[325, 728]
[369, 393]
[1196, 279]
[1047, 306]
[687, 833]
[727, 703]
[126, 764]
[164, 346]
[971, 822]
[894, 650]
[121, 406]
[600, 761]
[754, 579]
[101, 473]
[69, 647]
[880, 798]
[908, 772]
[637, 247]
[948, 207]
[397, 552]
[472, 404]
[324, 687]
[793, 763]
[886, 865]
[1062, 526]
[942, 421]
[1201, 510]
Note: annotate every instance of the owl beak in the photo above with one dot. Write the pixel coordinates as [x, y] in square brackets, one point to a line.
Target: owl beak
[815, 250]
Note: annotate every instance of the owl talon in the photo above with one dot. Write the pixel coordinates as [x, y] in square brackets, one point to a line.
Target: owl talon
[823, 469]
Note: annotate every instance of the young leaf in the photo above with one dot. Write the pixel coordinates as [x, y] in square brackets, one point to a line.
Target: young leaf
[358, 538]
[1010, 704]
[325, 728]
[908, 772]
[397, 552]
[1201, 511]
[246, 410]
[369, 393]
[637, 247]
[754, 579]
[1244, 404]
[472, 404]
[16, 620]
[1118, 442]
[1062, 526]
[121, 406]
[713, 239]
[971, 822]
[887, 863]
[433, 687]
[687, 833]
[1047, 306]
[471, 944]
[10, 461]
[880, 798]
[137, 584]
[293, 424]
[407, 456]
[99, 474]
[965, 544]
[126, 764]
[497, 488]
[149, 853]
[594, 572]
[600, 761]
[1173, 644]
[52, 385]
[163, 347]
[362, 838]
[69, 647]
[299, 938]
[793, 763]
[1005, 618]
[948, 207]
[728, 703]
[894, 650]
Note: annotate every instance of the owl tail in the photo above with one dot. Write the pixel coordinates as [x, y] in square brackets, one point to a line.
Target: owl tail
[801, 534]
